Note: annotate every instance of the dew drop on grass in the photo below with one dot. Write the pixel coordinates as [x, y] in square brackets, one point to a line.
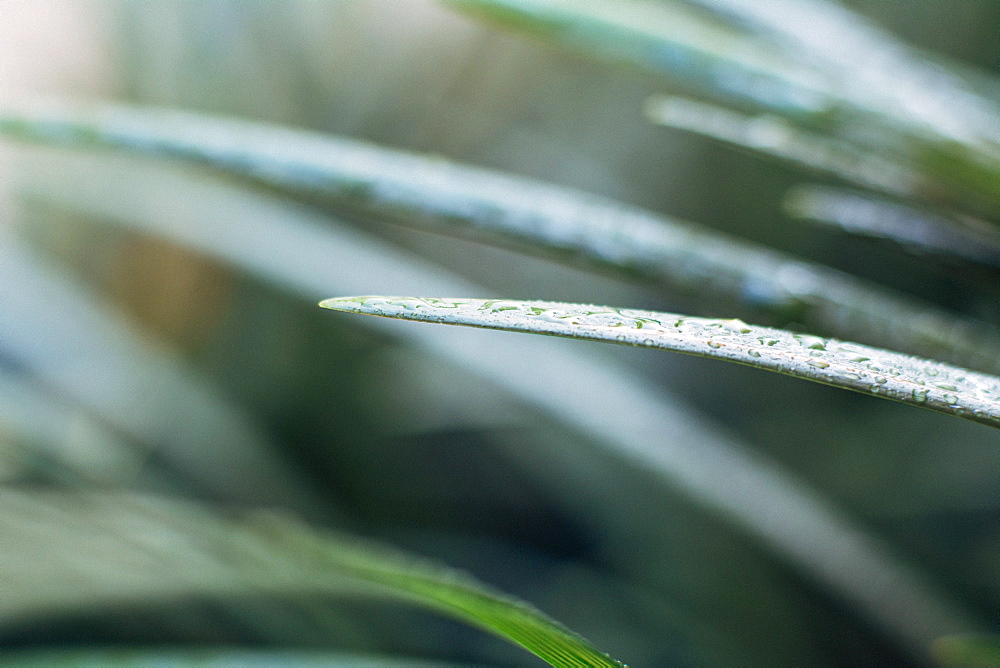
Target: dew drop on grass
[812, 342]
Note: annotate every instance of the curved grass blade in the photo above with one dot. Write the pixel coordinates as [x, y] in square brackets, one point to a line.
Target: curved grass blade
[897, 78]
[928, 233]
[775, 137]
[66, 551]
[882, 373]
[670, 40]
[308, 254]
[759, 283]
[795, 75]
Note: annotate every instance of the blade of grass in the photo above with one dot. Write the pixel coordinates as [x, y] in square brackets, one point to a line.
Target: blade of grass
[903, 111]
[928, 233]
[532, 216]
[897, 78]
[881, 373]
[775, 137]
[310, 254]
[67, 551]
[672, 40]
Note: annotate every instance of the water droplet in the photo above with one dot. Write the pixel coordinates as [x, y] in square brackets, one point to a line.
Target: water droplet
[819, 364]
[714, 344]
[950, 399]
[881, 380]
[946, 386]
[931, 371]
[859, 358]
[813, 342]
[767, 341]
[737, 325]
[850, 376]
[920, 395]
[753, 353]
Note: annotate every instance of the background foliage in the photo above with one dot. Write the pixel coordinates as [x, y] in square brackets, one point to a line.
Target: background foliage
[160, 334]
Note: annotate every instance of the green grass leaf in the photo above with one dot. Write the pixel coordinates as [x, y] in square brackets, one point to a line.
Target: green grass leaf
[881, 373]
[773, 136]
[70, 551]
[754, 281]
[754, 55]
[927, 233]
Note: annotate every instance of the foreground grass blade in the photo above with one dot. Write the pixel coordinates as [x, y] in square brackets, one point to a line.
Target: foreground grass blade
[882, 373]
[65, 552]
[759, 283]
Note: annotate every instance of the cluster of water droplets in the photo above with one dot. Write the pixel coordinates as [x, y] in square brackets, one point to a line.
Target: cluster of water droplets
[872, 370]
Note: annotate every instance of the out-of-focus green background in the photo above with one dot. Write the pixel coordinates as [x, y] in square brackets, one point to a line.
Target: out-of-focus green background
[385, 442]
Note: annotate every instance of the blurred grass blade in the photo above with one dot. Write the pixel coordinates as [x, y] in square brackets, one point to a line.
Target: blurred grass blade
[922, 231]
[763, 284]
[164, 657]
[897, 78]
[64, 552]
[61, 335]
[882, 373]
[967, 651]
[672, 40]
[311, 255]
[948, 132]
[772, 136]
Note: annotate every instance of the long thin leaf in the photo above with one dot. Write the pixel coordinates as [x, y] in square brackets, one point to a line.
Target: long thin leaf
[310, 254]
[62, 552]
[773, 136]
[683, 257]
[882, 373]
[896, 78]
[905, 109]
[925, 232]
[671, 40]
